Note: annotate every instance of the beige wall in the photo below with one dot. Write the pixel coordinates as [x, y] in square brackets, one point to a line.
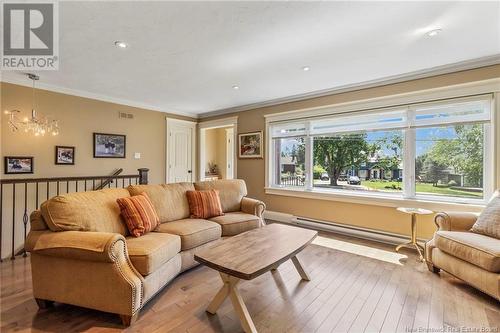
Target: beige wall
[375, 217]
[222, 151]
[210, 147]
[78, 119]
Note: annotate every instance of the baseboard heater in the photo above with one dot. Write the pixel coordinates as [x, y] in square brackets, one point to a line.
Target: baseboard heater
[347, 230]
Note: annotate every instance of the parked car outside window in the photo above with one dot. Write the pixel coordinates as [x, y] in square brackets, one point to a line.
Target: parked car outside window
[354, 180]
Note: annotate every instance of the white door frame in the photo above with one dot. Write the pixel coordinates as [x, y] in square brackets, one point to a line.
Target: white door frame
[171, 122]
[211, 124]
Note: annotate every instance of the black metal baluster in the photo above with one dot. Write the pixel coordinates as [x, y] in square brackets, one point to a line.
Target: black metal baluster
[1, 220]
[25, 216]
[136, 181]
[76, 186]
[48, 189]
[85, 185]
[36, 196]
[57, 191]
[123, 182]
[67, 186]
[93, 184]
[13, 257]
[116, 182]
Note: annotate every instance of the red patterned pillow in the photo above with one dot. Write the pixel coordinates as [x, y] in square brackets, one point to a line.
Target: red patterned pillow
[204, 204]
[139, 214]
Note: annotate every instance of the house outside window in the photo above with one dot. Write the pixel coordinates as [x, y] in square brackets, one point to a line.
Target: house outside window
[437, 151]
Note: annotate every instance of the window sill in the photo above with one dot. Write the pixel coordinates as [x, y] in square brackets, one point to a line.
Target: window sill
[380, 199]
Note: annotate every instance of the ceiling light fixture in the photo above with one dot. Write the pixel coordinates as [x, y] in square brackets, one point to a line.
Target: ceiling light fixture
[306, 68]
[236, 87]
[434, 32]
[121, 44]
[37, 125]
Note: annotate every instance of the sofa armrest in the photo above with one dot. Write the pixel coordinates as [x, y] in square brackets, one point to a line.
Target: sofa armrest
[455, 221]
[79, 245]
[36, 221]
[253, 206]
[88, 269]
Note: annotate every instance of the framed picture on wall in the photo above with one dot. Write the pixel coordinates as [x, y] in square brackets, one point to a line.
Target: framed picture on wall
[65, 155]
[109, 145]
[250, 145]
[18, 164]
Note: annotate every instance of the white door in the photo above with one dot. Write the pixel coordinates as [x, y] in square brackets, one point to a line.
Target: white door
[180, 153]
[229, 153]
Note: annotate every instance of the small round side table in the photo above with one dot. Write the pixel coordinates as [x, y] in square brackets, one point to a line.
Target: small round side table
[413, 241]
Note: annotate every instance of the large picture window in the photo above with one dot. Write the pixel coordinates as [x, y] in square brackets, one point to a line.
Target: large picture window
[438, 151]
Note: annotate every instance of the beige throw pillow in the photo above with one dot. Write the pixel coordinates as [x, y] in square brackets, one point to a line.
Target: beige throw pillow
[488, 223]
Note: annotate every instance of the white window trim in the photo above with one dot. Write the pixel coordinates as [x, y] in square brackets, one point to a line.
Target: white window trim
[408, 198]
[381, 199]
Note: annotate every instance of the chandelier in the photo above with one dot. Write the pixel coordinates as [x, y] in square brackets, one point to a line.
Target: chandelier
[38, 125]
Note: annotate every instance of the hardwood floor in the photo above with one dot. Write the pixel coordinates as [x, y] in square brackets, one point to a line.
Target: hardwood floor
[355, 286]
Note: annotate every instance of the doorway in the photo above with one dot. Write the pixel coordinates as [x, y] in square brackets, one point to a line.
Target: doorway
[217, 159]
[180, 157]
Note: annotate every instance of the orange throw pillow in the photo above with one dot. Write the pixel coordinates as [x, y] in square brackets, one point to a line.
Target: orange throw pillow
[139, 214]
[204, 204]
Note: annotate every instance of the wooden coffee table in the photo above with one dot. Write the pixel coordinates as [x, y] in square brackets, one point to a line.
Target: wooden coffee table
[250, 254]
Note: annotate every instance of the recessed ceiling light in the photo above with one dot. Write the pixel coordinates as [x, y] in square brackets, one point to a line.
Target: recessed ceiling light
[306, 68]
[433, 32]
[121, 44]
[236, 87]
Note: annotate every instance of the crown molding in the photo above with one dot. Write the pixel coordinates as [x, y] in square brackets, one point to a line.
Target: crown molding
[95, 96]
[420, 74]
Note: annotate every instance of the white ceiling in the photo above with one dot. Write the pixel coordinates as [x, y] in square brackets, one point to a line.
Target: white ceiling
[184, 57]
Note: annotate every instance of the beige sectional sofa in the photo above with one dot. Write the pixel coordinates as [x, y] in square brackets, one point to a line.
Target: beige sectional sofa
[471, 257]
[82, 254]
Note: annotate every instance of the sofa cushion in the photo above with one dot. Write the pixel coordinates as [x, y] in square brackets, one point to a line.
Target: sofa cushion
[85, 211]
[488, 223]
[193, 232]
[204, 204]
[169, 200]
[139, 214]
[236, 222]
[480, 250]
[152, 250]
[231, 192]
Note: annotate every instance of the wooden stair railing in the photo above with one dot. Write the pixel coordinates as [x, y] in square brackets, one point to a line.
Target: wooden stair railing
[19, 197]
[109, 180]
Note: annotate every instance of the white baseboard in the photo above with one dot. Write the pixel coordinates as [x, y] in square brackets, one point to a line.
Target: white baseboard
[344, 229]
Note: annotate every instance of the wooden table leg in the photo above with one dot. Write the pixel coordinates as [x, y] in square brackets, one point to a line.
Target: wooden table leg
[230, 289]
[242, 311]
[413, 240]
[218, 299]
[300, 269]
